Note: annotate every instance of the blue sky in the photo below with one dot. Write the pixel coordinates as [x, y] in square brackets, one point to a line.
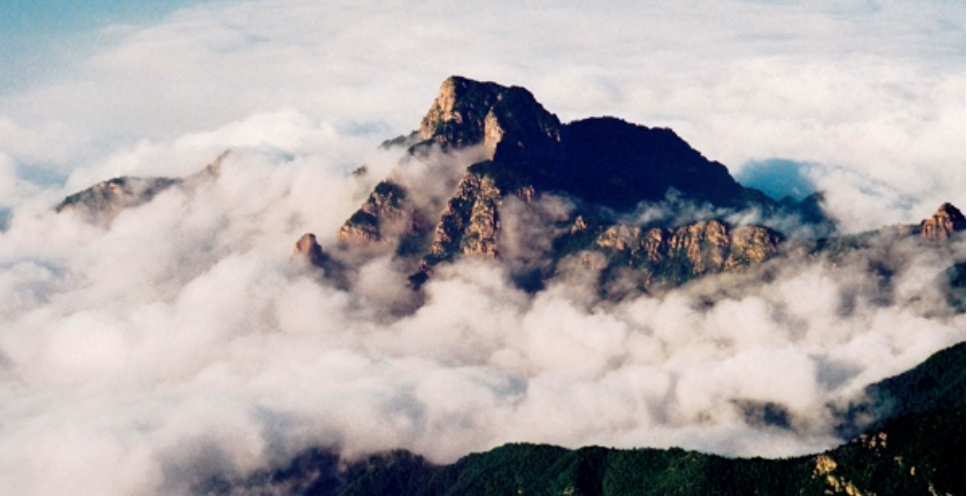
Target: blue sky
[41, 38]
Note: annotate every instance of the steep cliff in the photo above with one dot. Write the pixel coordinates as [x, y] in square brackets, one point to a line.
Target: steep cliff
[600, 163]
[605, 161]
[385, 213]
[103, 201]
[943, 224]
[467, 112]
[672, 256]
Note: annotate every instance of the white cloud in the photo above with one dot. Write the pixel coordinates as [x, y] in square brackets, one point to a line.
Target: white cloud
[179, 341]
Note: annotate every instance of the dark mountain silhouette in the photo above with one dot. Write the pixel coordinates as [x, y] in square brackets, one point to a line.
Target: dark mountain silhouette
[604, 161]
[604, 165]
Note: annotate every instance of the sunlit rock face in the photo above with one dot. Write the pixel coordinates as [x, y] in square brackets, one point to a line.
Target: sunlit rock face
[942, 224]
[467, 112]
[384, 213]
[308, 249]
[470, 222]
[598, 163]
[604, 167]
[671, 256]
[103, 201]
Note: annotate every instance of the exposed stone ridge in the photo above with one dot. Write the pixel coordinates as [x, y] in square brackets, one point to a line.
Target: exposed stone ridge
[942, 224]
[676, 255]
[467, 112]
[307, 248]
[470, 223]
[106, 199]
[596, 162]
[384, 213]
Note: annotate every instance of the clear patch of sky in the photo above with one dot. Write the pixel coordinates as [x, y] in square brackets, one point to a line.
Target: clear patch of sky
[40, 175]
[43, 38]
[778, 178]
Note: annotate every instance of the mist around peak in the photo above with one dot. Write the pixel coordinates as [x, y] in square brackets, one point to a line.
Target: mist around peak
[184, 323]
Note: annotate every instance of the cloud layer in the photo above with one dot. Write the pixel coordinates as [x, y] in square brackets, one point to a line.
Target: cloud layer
[180, 341]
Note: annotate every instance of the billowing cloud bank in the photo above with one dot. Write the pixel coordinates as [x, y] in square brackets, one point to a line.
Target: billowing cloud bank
[181, 341]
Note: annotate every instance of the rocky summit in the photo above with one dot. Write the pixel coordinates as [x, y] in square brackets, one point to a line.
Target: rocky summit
[467, 112]
[102, 202]
[943, 224]
[604, 166]
[604, 161]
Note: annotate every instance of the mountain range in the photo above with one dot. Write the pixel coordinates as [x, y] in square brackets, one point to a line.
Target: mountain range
[641, 212]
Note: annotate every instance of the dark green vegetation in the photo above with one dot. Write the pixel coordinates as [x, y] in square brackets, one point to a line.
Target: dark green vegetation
[935, 385]
[916, 447]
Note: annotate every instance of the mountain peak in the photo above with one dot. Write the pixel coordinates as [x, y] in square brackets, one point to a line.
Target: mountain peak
[946, 221]
[103, 201]
[467, 112]
[308, 248]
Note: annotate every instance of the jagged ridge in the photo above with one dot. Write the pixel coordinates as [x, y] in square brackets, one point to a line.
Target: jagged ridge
[599, 162]
[103, 201]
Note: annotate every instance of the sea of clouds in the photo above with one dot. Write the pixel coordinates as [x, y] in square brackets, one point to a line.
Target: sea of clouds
[180, 341]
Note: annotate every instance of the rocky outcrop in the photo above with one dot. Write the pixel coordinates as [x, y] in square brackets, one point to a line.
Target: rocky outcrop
[387, 213]
[605, 160]
[599, 162]
[943, 224]
[467, 112]
[469, 224]
[103, 201]
[671, 256]
[308, 249]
